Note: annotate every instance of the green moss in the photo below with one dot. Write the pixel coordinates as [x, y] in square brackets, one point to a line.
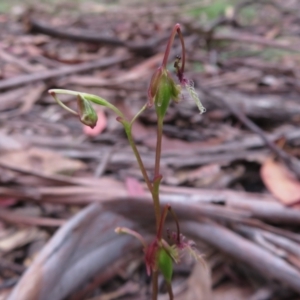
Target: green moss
[212, 10]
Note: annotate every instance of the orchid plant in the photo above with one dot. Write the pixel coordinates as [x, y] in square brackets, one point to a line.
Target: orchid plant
[160, 254]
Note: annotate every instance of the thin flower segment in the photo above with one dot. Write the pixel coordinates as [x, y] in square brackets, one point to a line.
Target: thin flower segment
[183, 246]
[188, 84]
[87, 113]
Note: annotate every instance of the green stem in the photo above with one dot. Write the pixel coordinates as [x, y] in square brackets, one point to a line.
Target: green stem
[158, 146]
[138, 157]
[138, 114]
[153, 187]
[157, 176]
[156, 202]
[154, 285]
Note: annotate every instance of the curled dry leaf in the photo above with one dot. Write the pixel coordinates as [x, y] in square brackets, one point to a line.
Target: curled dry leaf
[280, 181]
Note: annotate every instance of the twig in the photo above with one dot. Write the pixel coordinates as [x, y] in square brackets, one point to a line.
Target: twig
[145, 47]
[245, 251]
[21, 63]
[289, 160]
[238, 37]
[16, 218]
[48, 74]
[16, 268]
[276, 5]
[103, 277]
[80, 256]
[9, 283]
[105, 159]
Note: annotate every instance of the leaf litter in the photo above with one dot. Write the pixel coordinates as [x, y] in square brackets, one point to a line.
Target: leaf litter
[218, 170]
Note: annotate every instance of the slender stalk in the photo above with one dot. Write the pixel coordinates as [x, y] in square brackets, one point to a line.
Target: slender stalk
[156, 202]
[138, 114]
[138, 158]
[157, 176]
[158, 147]
[170, 291]
[133, 233]
[162, 221]
[154, 285]
[63, 105]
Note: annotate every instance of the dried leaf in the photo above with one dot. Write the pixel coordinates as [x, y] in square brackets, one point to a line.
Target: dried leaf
[46, 161]
[280, 181]
[198, 285]
[20, 238]
[136, 73]
[9, 143]
[32, 97]
[12, 99]
[231, 291]
[203, 175]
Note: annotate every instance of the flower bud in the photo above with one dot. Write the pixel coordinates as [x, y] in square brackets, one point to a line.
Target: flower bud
[152, 90]
[161, 90]
[87, 113]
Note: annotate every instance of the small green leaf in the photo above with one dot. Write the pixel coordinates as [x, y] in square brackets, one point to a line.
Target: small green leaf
[87, 114]
[165, 264]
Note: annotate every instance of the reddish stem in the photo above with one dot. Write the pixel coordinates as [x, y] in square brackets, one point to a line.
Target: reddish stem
[162, 222]
[170, 291]
[176, 222]
[154, 285]
[158, 147]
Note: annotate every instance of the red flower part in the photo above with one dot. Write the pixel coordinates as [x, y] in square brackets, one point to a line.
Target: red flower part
[150, 257]
[153, 87]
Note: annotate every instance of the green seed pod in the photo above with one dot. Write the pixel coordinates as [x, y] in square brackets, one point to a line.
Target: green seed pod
[87, 114]
[165, 264]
